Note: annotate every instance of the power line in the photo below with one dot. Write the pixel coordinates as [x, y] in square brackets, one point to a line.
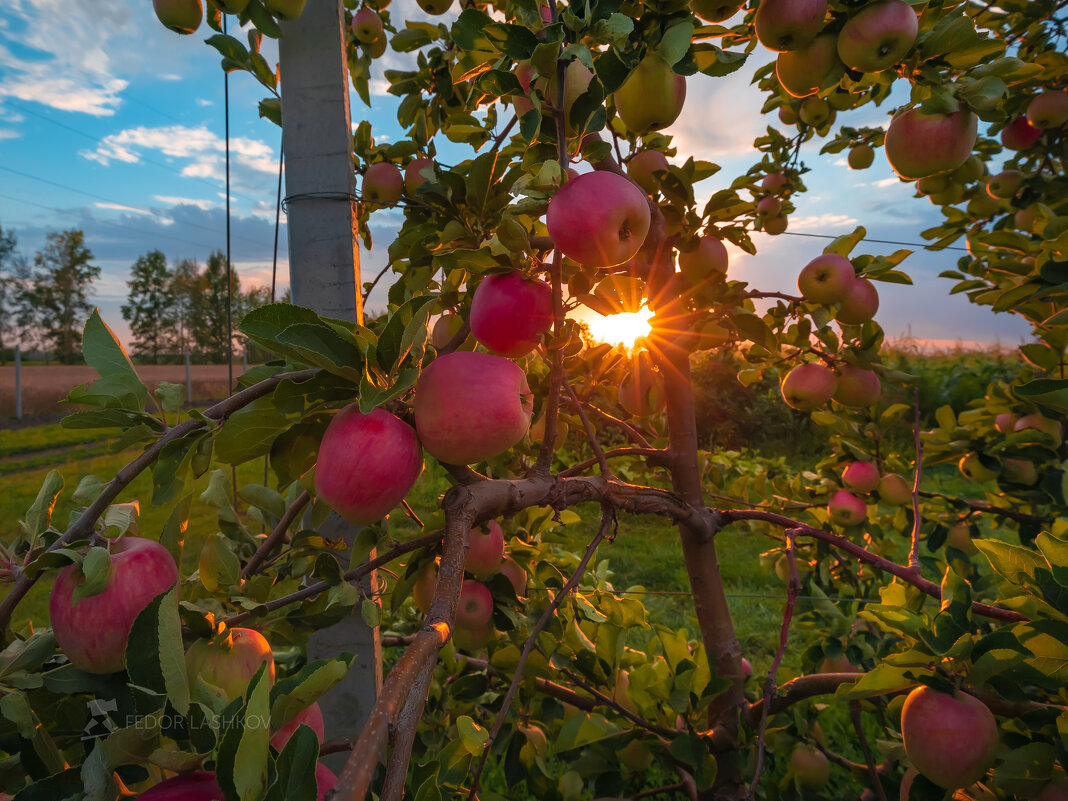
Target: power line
[130, 97]
[878, 241]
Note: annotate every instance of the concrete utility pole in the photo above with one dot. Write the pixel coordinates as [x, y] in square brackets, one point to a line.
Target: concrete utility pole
[324, 272]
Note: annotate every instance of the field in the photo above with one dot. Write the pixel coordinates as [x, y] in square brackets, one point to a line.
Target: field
[43, 386]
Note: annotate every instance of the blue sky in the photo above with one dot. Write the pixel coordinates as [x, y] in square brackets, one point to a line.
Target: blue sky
[110, 123]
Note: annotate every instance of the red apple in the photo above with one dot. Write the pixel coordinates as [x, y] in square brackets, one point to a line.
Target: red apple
[895, 490]
[861, 476]
[1005, 184]
[950, 739]
[93, 631]
[747, 668]
[808, 386]
[810, 766]
[878, 36]
[485, 550]
[769, 206]
[708, 257]
[1040, 422]
[471, 406]
[789, 24]
[1019, 471]
[445, 329]
[860, 157]
[775, 225]
[198, 786]
[515, 574]
[475, 606]
[599, 219]
[367, 463]
[716, 10]
[652, 96]
[773, 181]
[641, 167]
[426, 581]
[1005, 422]
[857, 387]
[1048, 110]
[826, 279]
[382, 183]
[229, 662]
[919, 144]
[509, 313]
[960, 537]
[324, 781]
[180, 16]
[860, 303]
[285, 10]
[311, 716]
[1019, 135]
[367, 25]
[413, 177]
[846, 509]
[802, 72]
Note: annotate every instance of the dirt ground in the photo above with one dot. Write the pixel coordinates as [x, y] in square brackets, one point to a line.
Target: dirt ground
[43, 387]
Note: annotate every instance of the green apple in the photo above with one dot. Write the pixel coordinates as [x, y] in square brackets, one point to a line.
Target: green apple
[810, 766]
[973, 468]
[231, 6]
[787, 115]
[652, 96]
[1048, 110]
[285, 10]
[878, 36]
[180, 16]
[983, 205]
[1019, 471]
[814, 111]
[1005, 184]
[895, 490]
[861, 156]
[715, 10]
[775, 225]
[960, 537]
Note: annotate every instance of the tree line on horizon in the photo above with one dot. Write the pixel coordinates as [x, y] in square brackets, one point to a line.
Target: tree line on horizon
[171, 307]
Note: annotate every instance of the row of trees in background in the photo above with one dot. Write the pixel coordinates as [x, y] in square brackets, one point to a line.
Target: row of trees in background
[170, 307]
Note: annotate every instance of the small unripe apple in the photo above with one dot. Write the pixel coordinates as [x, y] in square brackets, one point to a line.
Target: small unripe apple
[930, 184]
[808, 386]
[826, 279]
[485, 550]
[861, 476]
[641, 167]
[367, 25]
[810, 766]
[857, 387]
[435, 7]
[960, 537]
[471, 406]
[773, 181]
[229, 662]
[1019, 134]
[641, 392]
[860, 303]
[708, 258]
[311, 716]
[837, 664]
[971, 170]
[382, 183]
[652, 96]
[715, 10]
[599, 219]
[950, 739]
[769, 206]
[895, 490]
[814, 111]
[775, 225]
[285, 10]
[788, 24]
[1005, 184]
[413, 178]
[180, 16]
[919, 144]
[972, 467]
[787, 115]
[1025, 219]
[860, 157]
[509, 313]
[426, 581]
[1040, 422]
[367, 463]
[983, 205]
[474, 609]
[1005, 422]
[802, 72]
[878, 36]
[846, 509]
[515, 574]
[445, 329]
[1048, 110]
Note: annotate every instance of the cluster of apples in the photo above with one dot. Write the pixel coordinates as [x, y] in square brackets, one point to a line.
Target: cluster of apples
[383, 183]
[847, 508]
[769, 207]
[1048, 110]
[185, 16]
[368, 30]
[1015, 471]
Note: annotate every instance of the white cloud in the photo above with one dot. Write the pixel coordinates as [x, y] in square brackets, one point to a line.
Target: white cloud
[841, 163]
[121, 207]
[201, 101]
[822, 222]
[171, 200]
[170, 76]
[7, 133]
[882, 183]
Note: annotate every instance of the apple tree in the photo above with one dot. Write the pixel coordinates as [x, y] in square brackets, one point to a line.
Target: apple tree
[528, 673]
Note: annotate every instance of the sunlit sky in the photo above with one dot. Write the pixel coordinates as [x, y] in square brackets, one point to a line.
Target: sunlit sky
[112, 124]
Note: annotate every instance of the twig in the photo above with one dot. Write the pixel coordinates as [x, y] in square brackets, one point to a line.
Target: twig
[408, 510]
[979, 506]
[781, 295]
[371, 286]
[598, 452]
[800, 689]
[607, 517]
[865, 747]
[556, 371]
[276, 536]
[605, 700]
[654, 456]
[634, 434]
[507, 129]
[914, 548]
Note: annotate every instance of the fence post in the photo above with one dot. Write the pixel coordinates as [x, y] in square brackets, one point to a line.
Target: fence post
[18, 383]
[244, 359]
[188, 381]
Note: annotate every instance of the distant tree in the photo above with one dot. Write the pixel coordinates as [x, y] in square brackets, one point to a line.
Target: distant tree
[150, 306]
[59, 294]
[247, 301]
[211, 323]
[186, 289]
[14, 273]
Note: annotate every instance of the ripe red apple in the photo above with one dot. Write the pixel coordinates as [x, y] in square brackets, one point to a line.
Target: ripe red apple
[878, 36]
[775, 225]
[773, 181]
[1005, 422]
[1048, 110]
[895, 490]
[367, 463]
[1040, 422]
[810, 766]
[708, 257]
[471, 406]
[426, 581]
[641, 167]
[285, 10]
[229, 662]
[802, 72]
[367, 25]
[814, 111]
[857, 387]
[768, 207]
[960, 537]
[747, 668]
[93, 631]
[324, 781]
[860, 303]
[475, 606]
[652, 96]
[1019, 134]
[950, 739]
[1005, 184]
[641, 392]
[445, 328]
[808, 386]
[180, 16]
[485, 550]
[827, 279]
[846, 509]
[919, 144]
[715, 10]
[860, 157]
[382, 183]
[311, 716]
[789, 24]
[198, 786]
[861, 476]
[412, 177]
[599, 219]
[509, 313]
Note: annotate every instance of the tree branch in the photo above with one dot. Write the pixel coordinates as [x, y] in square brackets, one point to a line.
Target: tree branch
[598, 452]
[914, 548]
[276, 536]
[865, 747]
[654, 456]
[980, 506]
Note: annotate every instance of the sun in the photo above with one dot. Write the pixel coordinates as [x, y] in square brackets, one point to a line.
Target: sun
[620, 329]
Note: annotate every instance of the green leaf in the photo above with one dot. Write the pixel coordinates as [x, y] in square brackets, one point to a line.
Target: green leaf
[295, 768]
[219, 566]
[1015, 564]
[1049, 392]
[582, 729]
[249, 432]
[295, 693]
[844, 244]
[89, 488]
[96, 567]
[473, 736]
[39, 515]
[676, 42]
[154, 655]
[243, 751]
[15, 706]
[171, 396]
[1024, 771]
[118, 385]
[173, 536]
